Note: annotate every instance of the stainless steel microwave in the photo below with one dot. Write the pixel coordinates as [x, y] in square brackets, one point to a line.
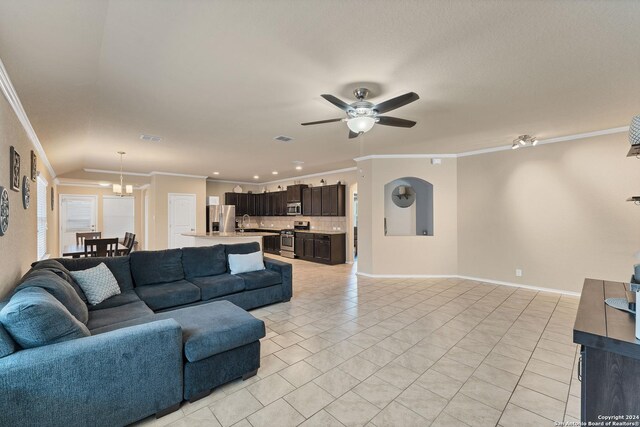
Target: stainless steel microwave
[294, 208]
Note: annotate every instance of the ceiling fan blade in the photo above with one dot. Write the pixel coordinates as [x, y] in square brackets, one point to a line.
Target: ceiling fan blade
[352, 134]
[319, 122]
[394, 121]
[337, 102]
[397, 102]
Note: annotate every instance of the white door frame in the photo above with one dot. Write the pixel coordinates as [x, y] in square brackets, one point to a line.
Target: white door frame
[170, 214]
[61, 220]
[146, 221]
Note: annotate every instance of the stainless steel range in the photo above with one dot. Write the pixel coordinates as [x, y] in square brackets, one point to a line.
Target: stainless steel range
[288, 240]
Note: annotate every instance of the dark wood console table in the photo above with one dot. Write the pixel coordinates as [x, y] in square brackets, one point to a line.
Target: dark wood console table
[610, 355]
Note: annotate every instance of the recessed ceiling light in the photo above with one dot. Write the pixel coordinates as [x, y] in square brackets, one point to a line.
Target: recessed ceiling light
[256, 177]
[274, 173]
[105, 184]
[299, 168]
[216, 173]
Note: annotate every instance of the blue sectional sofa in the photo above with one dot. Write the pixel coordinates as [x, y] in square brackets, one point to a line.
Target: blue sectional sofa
[177, 330]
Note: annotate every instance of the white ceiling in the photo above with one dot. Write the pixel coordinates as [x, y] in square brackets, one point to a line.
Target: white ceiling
[219, 79]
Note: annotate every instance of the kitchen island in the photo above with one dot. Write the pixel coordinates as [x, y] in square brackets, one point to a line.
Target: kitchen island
[217, 238]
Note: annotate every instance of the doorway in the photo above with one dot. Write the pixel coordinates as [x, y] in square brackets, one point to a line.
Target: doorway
[182, 219]
[78, 214]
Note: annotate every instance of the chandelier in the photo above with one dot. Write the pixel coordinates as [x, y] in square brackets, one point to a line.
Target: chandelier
[118, 188]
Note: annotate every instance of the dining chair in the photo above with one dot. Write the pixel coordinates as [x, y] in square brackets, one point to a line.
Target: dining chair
[101, 247]
[129, 241]
[81, 237]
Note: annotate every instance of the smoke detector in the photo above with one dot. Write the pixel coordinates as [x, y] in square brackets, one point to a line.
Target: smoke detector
[150, 138]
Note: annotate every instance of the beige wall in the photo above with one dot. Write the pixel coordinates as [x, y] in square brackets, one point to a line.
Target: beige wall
[18, 246]
[100, 193]
[161, 186]
[556, 211]
[407, 255]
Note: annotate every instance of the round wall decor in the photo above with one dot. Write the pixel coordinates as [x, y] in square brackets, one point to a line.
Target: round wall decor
[4, 210]
[26, 192]
[403, 196]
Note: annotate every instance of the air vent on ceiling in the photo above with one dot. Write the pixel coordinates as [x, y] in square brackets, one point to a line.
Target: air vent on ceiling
[150, 138]
[283, 138]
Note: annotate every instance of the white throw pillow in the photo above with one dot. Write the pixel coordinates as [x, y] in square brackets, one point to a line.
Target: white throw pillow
[241, 263]
[97, 283]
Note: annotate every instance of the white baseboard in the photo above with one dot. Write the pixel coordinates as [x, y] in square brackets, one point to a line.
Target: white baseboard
[476, 279]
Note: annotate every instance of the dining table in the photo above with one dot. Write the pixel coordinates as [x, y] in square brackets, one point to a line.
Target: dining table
[76, 251]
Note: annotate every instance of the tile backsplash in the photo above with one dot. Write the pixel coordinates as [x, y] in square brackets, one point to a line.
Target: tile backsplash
[319, 223]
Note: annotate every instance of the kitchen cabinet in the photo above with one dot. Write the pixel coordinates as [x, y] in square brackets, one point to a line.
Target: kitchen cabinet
[231, 199]
[242, 207]
[321, 247]
[333, 200]
[271, 244]
[251, 210]
[294, 193]
[306, 201]
[316, 201]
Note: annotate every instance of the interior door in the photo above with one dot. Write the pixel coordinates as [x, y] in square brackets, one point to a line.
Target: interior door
[182, 218]
[78, 214]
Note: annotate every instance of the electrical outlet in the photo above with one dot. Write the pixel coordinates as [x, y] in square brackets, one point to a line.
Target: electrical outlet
[518, 272]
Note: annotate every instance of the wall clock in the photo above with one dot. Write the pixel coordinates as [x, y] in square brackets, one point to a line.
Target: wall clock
[14, 182]
[4, 210]
[26, 192]
[34, 166]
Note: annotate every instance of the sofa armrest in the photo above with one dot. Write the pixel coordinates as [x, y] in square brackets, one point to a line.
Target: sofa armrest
[113, 378]
[286, 271]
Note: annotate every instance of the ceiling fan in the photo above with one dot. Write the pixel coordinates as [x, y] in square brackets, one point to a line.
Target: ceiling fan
[362, 115]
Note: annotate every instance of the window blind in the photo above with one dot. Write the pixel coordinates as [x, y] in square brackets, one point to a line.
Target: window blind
[42, 217]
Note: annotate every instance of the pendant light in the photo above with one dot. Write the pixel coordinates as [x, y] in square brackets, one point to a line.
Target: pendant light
[117, 188]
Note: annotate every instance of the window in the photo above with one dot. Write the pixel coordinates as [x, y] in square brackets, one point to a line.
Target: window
[42, 217]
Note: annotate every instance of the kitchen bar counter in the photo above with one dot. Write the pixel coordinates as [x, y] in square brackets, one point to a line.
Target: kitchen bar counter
[217, 238]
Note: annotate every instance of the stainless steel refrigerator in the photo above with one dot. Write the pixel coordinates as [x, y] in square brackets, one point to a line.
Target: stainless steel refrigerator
[222, 218]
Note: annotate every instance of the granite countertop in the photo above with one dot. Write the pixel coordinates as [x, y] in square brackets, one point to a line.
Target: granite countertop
[217, 234]
[320, 231]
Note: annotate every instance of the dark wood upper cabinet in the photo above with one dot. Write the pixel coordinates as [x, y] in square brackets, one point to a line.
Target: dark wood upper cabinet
[231, 199]
[316, 201]
[283, 202]
[294, 193]
[306, 201]
[243, 204]
[333, 200]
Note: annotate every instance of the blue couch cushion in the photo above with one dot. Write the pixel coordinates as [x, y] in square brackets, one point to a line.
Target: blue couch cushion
[119, 266]
[204, 261]
[243, 248]
[59, 269]
[260, 279]
[217, 286]
[35, 318]
[207, 329]
[7, 344]
[151, 267]
[121, 313]
[167, 295]
[60, 289]
[126, 297]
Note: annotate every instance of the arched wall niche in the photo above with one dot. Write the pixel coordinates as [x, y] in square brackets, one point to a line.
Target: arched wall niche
[408, 207]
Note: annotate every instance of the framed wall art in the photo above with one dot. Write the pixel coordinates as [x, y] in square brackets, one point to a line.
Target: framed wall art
[4, 211]
[14, 181]
[34, 166]
[26, 192]
[53, 198]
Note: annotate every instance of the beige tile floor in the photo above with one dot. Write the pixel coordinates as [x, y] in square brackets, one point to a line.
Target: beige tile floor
[350, 351]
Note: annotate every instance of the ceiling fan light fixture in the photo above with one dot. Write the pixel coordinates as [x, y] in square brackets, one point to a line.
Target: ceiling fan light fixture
[361, 124]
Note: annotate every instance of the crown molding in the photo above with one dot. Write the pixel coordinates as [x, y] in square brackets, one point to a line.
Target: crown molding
[183, 175]
[573, 137]
[85, 184]
[14, 101]
[312, 175]
[226, 181]
[116, 172]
